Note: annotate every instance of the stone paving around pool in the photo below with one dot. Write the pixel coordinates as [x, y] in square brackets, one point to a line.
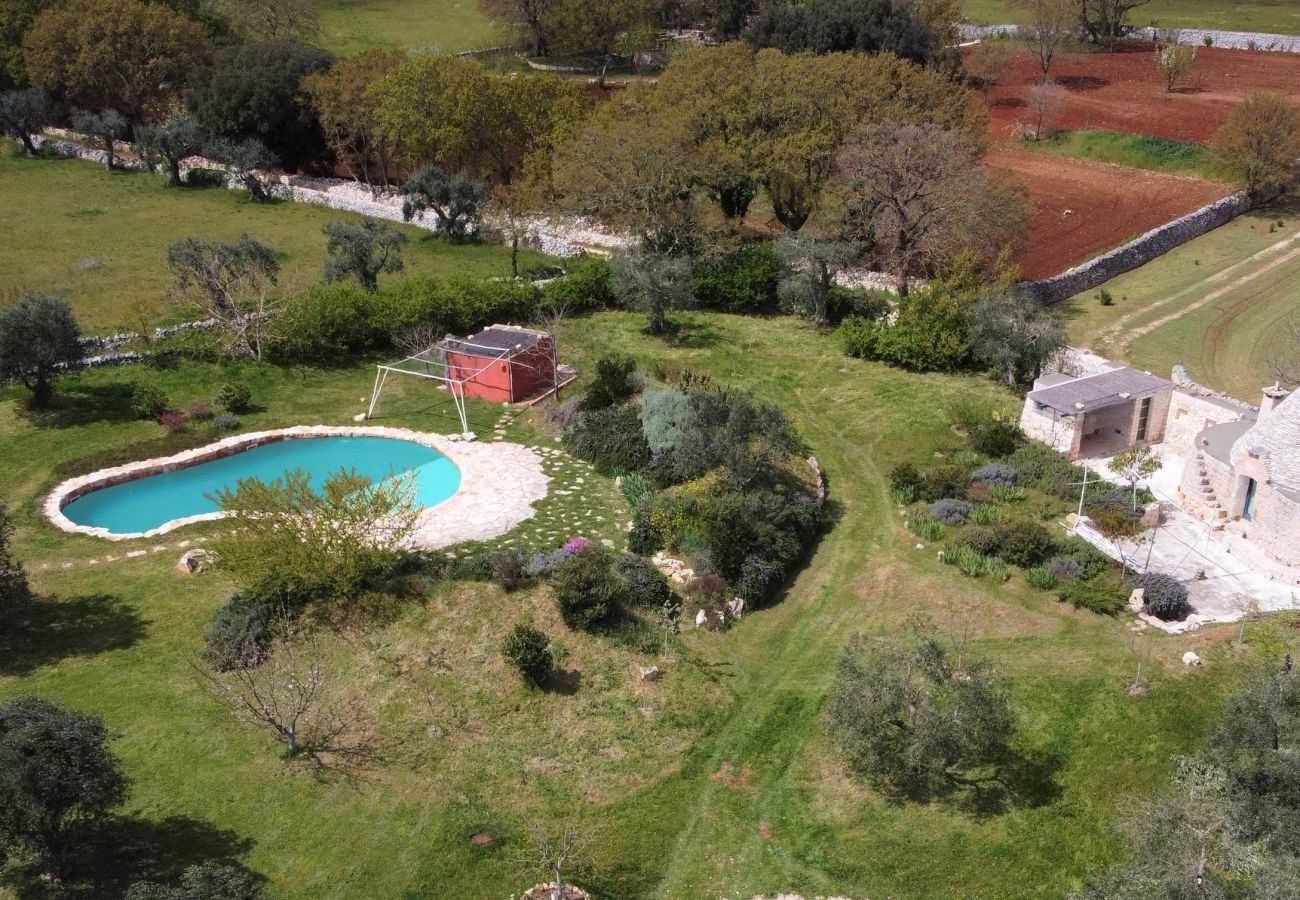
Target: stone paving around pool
[500, 483]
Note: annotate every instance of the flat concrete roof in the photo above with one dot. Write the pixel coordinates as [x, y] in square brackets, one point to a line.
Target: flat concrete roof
[1092, 392]
[1217, 440]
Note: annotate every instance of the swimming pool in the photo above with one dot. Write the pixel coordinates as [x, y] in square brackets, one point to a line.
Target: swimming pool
[146, 503]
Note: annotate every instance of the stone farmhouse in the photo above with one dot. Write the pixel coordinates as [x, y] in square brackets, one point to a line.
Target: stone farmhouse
[1240, 464]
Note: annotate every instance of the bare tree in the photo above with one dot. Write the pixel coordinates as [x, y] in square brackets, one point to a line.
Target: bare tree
[1173, 61]
[235, 284]
[1048, 25]
[260, 20]
[551, 854]
[987, 64]
[291, 695]
[918, 193]
[532, 16]
[1044, 101]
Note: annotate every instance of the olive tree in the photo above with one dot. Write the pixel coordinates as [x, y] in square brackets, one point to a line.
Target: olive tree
[249, 163]
[1173, 61]
[236, 284]
[653, 282]
[38, 337]
[104, 128]
[15, 592]
[455, 200]
[203, 882]
[171, 142]
[1014, 337]
[914, 714]
[362, 250]
[55, 770]
[23, 113]
[812, 266]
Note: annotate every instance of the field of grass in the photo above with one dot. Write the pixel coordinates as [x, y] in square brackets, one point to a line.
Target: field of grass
[1221, 305]
[349, 26]
[1137, 150]
[126, 220]
[1269, 16]
[716, 781]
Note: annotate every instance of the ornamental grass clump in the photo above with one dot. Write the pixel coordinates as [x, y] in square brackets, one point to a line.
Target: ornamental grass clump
[927, 528]
[1041, 578]
[984, 514]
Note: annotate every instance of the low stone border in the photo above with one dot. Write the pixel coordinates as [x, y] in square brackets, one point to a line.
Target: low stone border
[499, 484]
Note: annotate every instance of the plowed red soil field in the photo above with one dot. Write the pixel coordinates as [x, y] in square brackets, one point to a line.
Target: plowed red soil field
[1122, 91]
[1083, 208]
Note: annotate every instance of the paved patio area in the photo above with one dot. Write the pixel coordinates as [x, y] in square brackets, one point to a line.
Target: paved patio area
[1222, 569]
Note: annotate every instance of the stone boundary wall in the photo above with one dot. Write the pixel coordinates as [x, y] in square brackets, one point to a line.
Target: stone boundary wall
[1227, 40]
[1188, 386]
[1138, 251]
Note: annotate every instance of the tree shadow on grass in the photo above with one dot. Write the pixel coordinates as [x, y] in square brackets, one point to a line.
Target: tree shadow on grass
[77, 403]
[1024, 780]
[564, 682]
[122, 850]
[1082, 83]
[48, 630]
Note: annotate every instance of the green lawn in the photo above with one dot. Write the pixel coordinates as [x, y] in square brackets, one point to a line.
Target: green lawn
[1139, 151]
[126, 220]
[1221, 305]
[468, 751]
[449, 25]
[1269, 16]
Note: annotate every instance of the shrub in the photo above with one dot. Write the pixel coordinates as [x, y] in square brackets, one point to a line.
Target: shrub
[646, 586]
[1164, 595]
[587, 591]
[562, 415]
[327, 323]
[636, 490]
[967, 459]
[1043, 469]
[172, 420]
[949, 511]
[544, 565]
[1062, 568]
[984, 514]
[982, 539]
[904, 477]
[1026, 544]
[996, 473]
[743, 282]
[203, 882]
[586, 288]
[148, 401]
[614, 382]
[241, 632]
[708, 588]
[943, 481]
[644, 538]
[509, 568]
[1091, 561]
[611, 440]
[206, 178]
[1098, 595]
[576, 545]
[758, 578]
[529, 651]
[1041, 577]
[997, 438]
[1116, 523]
[225, 422]
[927, 528]
[235, 397]
[457, 305]
[663, 414]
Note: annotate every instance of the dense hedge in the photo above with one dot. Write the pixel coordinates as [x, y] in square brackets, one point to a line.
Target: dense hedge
[743, 282]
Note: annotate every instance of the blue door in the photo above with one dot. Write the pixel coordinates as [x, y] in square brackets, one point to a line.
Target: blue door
[1248, 510]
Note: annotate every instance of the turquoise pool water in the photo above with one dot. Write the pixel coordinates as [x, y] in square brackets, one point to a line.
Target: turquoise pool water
[153, 500]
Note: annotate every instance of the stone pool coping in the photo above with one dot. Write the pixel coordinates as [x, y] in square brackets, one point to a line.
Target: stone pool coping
[499, 483]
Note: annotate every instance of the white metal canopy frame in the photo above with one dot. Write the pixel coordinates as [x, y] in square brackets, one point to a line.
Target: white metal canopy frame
[432, 364]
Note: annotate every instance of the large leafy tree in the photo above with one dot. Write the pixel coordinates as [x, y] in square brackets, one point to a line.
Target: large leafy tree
[349, 114]
[1260, 142]
[829, 26]
[55, 770]
[16, 17]
[597, 30]
[121, 53]
[38, 337]
[919, 195]
[454, 113]
[915, 714]
[254, 91]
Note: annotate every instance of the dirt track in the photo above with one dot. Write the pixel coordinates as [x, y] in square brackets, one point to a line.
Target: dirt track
[1083, 208]
[1121, 91]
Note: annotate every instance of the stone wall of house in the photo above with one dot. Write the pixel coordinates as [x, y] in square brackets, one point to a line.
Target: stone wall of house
[1048, 427]
[1276, 525]
[1199, 473]
[1190, 414]
[1138, 251]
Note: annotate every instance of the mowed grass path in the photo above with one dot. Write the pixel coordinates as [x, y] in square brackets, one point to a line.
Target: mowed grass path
[715, 782]
[349, 26]
[1269, 16]
[61, 213]
[1221, 304]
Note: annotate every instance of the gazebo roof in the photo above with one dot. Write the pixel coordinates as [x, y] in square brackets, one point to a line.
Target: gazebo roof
[1093, 392]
